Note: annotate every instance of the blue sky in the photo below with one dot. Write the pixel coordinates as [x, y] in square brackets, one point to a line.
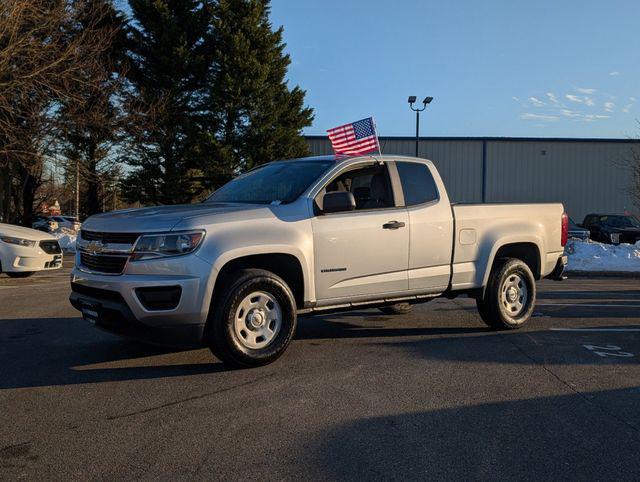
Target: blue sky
[543, 68]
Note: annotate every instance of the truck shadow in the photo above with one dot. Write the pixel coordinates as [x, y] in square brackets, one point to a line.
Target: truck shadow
[339, 326]
[61, 351]
[549, 438]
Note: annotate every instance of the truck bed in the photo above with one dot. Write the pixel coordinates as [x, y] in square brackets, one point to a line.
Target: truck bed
[480, 230]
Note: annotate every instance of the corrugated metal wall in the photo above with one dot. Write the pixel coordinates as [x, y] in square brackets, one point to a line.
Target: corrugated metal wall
[585, 175]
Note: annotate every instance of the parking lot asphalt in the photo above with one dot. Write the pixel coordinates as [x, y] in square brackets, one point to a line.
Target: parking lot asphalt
[433, 394]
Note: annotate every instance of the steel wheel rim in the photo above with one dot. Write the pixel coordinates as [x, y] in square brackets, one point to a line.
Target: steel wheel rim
[514, 294]
[257, 320]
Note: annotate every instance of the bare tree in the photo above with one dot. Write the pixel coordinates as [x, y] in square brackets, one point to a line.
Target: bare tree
[50, 52]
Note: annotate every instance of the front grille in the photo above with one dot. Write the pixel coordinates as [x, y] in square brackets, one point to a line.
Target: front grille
[109, 238]
[50, 247]
[111, 264]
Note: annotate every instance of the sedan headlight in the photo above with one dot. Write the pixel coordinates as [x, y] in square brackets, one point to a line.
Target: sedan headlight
[152, 246]
[19, 241]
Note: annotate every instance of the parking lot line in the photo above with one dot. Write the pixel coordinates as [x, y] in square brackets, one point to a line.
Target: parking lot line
[596, 330]
[590, 305]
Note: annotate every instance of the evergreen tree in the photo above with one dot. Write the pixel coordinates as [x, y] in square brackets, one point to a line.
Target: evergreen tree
[169, 58]
[254, 116]
[92, 120]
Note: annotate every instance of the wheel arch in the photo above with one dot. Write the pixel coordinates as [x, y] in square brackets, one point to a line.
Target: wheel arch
[528, 251]
[283, 264]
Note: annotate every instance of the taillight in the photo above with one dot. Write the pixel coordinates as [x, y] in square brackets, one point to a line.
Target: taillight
[565, 229]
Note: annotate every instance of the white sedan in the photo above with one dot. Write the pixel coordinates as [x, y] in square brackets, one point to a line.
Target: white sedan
[24, 251]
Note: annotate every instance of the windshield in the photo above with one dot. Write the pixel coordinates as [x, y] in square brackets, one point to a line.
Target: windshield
[278, 182]
[621, 221]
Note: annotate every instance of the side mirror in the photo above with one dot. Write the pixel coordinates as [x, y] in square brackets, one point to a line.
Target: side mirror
[338, 201]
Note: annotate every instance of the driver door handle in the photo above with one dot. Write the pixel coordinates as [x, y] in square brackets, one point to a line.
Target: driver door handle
[393, 225]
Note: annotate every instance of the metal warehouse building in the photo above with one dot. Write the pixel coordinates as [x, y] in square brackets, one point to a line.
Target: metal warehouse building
[586, 175]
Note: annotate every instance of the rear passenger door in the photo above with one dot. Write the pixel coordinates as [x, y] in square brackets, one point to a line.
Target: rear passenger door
[431, 227]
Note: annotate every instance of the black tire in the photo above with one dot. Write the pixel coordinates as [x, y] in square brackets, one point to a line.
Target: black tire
[20, 274]
[495, 308]
[397, 309]
[220, 334]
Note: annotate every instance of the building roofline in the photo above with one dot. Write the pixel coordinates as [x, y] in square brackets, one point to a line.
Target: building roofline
[496, 139]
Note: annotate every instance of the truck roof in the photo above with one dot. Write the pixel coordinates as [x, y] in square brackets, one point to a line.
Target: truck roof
[342, 158]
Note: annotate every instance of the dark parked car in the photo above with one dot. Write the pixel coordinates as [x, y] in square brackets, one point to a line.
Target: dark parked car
[613, 228]
[577, 232]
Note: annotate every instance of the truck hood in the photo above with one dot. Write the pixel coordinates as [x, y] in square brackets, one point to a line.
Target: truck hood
[21, 232]
[158, 218]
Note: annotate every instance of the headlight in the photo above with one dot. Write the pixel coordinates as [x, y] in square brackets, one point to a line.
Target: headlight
[152, 246]
[19, 241]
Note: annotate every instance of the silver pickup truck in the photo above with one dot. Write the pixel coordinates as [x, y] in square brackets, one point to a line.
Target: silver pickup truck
[304, 236]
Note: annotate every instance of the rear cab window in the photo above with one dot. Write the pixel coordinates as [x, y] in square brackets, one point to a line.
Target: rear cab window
[418, 184]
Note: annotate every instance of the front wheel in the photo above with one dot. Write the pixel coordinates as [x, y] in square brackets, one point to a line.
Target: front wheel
[253, 321]
[509, 297]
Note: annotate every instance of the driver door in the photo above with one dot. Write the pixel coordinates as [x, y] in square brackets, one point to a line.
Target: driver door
[362, 253]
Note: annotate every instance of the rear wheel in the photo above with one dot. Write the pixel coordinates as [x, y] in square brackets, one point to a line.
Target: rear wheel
[509, 296]
[20, 274]
[253, 320]
[397, 309]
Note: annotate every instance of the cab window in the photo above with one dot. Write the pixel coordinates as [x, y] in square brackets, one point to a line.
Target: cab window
[417, 182]
[370, 186]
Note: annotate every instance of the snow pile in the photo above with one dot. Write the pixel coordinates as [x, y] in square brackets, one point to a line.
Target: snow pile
[594, 257]
[66, 238]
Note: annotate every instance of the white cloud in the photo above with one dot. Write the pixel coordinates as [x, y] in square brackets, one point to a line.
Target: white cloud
[539, 117]
[594, 117]
[570, 113]
[581, 99]
[614, 73]
[553, 98]
[536, 102]
[583, 104]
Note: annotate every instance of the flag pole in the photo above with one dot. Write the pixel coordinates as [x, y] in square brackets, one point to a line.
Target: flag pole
[375, 129]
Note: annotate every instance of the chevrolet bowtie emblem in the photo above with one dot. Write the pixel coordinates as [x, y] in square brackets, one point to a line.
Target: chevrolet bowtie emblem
[95, 247]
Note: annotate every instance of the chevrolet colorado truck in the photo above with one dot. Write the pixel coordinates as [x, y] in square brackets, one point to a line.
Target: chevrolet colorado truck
[309, 235]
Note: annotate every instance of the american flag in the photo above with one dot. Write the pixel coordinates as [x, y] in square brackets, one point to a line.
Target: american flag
[359, 137]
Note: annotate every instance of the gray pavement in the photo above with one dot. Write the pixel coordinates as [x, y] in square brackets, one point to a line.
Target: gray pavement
[433, 394]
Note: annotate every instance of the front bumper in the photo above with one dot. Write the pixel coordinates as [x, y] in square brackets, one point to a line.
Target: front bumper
[19, 259]
[116, 303]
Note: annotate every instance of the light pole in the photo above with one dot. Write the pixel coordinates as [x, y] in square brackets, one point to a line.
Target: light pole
[412, 99]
